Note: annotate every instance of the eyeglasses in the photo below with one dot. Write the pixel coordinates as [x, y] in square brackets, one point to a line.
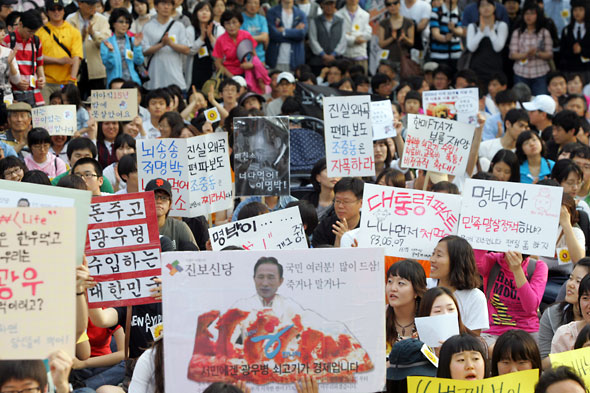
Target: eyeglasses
[344, 202]
[28, 390]
[87, 175]
[41, 146]
[161, 198]
[12, 172]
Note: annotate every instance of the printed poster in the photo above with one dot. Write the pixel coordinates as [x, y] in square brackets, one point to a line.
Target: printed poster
[313, 321]
[114, 104]
[13, 193]
[261, 156]
[278, 230]
[349, 139]
[197, 168]
[123, 249]
[37, 282]
[504, 216]
[437, 145]
[56, 119]
[382, 120]
[457, 104]
[407, 223]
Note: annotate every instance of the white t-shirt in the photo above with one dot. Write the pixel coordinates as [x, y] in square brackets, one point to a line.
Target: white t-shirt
[144, 380]
[348, 238]
[487, 151]
[472, 305]
[285, 48]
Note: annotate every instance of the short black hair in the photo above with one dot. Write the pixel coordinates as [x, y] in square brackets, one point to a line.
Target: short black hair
[555, 74]
[229, 82]
[568, 120]
[571, 97]
[515, 115]
[581, 151]
[116, 14]
[505, 97]
[23, 369]
[271, 261]
[252, 209]
[444, 69]
[11, 18]
[469, 75]
[158, 93]
[413, 95]
[38, 136]
[127, 165]
[309, 215]
[500, 77]
[554, 375]
[31, 19]
[229, 15]
[308, 76]
[115, 80]
[160, 1]
[11, 162]
[353, 184]
[88, 160]
[378, 80]
[446, 187]
[81, 144]
[36, 177]
[72, 181]
[122, 140]
[291, 106]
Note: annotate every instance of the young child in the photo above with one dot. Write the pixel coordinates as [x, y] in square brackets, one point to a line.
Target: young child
[463, 357]
[158, 101]
[515, 350]
[23, 375]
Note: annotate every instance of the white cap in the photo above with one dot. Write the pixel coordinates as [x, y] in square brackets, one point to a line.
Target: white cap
[542, 102]
[286, 76]
[241, 81]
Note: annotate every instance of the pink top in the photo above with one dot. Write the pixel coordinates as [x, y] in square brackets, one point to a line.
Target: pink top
[226, 49]
[510, 307]
[52, 166]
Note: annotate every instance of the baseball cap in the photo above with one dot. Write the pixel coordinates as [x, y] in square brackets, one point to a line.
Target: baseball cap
[286, 76]
[542, 102]
[19, 107]
[406, 359]
[241, 81]
[159, 184]
[436, 177]
[249, 94]
[89, 1]
[53, 3]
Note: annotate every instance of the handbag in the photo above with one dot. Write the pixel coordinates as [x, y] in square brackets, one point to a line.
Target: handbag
[213, 83]
[408, 67]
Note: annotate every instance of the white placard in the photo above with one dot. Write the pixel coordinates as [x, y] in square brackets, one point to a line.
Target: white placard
[458, 104]
[279, 230]
[407, 223]
[438, 328]
[56, 119]
[349, 140]
[319, 311]
[437, 145]
[504, 216]
[382, 120]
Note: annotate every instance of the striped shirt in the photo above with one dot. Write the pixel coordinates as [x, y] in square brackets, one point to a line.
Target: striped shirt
[440, 18]
[24, 60]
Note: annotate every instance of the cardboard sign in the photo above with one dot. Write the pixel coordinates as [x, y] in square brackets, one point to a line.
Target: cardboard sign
[382, 120]
[13, 193]
[518, 382]
[279, 230]
[437, 145]
[349, 140]
[313, 320]
[114, 104]
[37, 282]
[198, 169]
[408, 223]
[578, 360]
[261, 155]
[123, 249]
[56, 119]
[458, 104]
[504, 216]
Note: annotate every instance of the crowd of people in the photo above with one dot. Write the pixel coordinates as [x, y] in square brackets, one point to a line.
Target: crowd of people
[530, 60]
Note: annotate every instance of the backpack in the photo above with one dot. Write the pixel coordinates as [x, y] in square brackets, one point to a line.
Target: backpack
[495, 270]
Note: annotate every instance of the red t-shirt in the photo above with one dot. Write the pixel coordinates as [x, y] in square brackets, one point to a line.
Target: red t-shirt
[100, 339]
[226, 49]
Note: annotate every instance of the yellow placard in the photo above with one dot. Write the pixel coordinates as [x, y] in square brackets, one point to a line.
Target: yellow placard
[578, 360]
[37, 282]
[520, 382]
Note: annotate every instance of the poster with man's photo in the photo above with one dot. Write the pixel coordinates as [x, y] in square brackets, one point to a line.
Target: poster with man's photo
[261, 155]
[270, 317]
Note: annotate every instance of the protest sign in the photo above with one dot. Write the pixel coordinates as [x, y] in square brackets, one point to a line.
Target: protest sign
[261, 155]
[408, 223]
[349, 140]
[437, 145]
[438, 328]
[382, 120]
[37, 282]
[56, 119]
[114, 104]
[198, 169]
[504, 216]
[13, 193]
[314, 321]
[279, 230]
[123, 249]
[458, 104]
[578, 360]
[518, 382]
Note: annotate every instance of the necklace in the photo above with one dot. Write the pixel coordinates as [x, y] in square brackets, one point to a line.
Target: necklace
[404, 327]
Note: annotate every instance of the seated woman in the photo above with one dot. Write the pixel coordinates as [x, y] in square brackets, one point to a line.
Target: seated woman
[39, 142]
[530, 151]
[322, 196]
[565, 337]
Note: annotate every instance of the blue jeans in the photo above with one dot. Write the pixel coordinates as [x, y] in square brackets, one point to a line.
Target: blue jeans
[99, 376]
[537, 85]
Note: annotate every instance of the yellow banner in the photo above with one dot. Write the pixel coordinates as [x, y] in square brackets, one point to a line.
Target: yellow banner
[578, 360]
[520, 382]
